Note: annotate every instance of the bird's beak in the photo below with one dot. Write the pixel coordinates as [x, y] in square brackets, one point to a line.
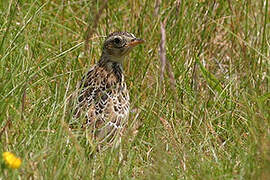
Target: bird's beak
[135, 42]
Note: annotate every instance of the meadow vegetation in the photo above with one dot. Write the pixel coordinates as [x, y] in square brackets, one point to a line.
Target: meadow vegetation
[199, 87]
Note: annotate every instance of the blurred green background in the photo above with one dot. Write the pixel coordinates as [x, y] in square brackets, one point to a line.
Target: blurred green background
[206, 116]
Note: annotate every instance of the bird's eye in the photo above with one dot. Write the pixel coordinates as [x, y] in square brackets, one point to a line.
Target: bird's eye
[117, 40]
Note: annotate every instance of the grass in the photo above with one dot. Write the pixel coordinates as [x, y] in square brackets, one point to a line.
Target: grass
[208, 118]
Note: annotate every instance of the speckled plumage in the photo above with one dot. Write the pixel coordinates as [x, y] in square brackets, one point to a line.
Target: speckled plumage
[104, 98]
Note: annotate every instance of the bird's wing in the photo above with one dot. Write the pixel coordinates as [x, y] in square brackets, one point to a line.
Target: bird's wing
[96, 91]
[104, 100]
[86, 92]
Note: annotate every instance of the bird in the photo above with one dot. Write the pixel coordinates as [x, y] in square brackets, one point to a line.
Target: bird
[103, 98]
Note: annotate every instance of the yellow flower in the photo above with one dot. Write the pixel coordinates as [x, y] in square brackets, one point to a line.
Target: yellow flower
[11, 160]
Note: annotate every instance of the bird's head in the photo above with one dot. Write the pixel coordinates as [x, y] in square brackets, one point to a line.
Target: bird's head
[118, 44]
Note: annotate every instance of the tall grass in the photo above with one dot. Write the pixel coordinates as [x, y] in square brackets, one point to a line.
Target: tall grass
[207, 118]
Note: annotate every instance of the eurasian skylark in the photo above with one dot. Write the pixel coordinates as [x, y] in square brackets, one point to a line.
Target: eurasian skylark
[104, 97]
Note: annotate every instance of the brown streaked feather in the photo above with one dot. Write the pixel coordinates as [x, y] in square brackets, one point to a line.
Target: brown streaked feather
[104, 99]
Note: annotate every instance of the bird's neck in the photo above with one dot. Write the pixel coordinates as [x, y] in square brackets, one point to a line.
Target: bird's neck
[112, 66]
[107, 57]
[111, 62]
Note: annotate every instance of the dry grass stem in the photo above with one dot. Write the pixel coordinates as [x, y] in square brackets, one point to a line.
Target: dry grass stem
[157, 6]
[165, 64]
[8, 124]
[162, 50]
[169, 129]
[91, 29]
